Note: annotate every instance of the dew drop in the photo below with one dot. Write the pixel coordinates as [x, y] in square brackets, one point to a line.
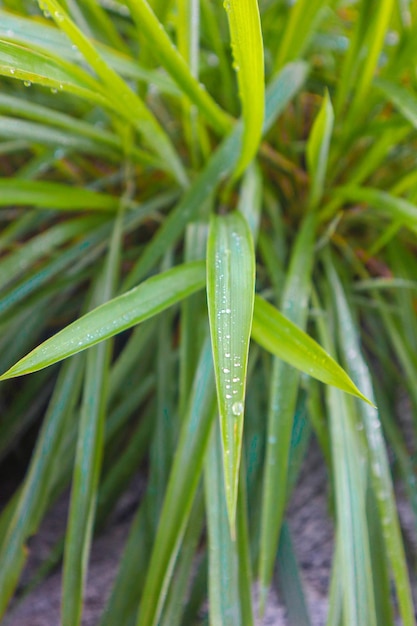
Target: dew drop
[237, 408]
[226, 370]
[12, 70]
[27, 83]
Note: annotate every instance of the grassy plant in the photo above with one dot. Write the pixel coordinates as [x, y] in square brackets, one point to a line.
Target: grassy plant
[190, 177]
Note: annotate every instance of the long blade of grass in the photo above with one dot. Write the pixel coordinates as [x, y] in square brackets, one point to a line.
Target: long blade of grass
[223, 585]
[282, 403]
[37, 247]
[123, 601]
[318, 150]
[73, 132]
[351, 470]
[248, 54]
[354, 563]
[183, 572]
[89, 452]
[245, 579]
[276, 334]
[380, 470]
[182, 486]
[230, 296]
[304, 19]
[289, 580]
[364, 49]
[111, 318]
[33, 499]
[350, 485]
[53, 196]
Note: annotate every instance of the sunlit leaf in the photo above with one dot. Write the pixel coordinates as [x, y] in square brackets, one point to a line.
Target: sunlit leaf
[248, 54]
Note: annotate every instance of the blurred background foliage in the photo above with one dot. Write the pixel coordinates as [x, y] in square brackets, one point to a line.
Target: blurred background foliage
[118, 140]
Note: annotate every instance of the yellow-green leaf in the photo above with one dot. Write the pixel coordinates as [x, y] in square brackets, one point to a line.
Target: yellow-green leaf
[274, 332]
[248, 55]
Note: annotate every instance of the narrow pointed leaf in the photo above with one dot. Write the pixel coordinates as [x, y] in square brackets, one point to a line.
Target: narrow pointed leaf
[318, 149]
[135, 306]
[274, 332]
[248, 53]
[230, 295]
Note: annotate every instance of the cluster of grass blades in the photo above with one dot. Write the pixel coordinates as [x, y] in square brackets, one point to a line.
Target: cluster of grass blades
[179, 178]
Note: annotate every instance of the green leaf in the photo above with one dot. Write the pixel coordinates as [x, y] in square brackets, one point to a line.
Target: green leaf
[53, 196]
[40, 246]
[223, 586]
[89, 452]
[118, 93]
[230, 296]
[135, 306]
[283, 392]
[350, 478]
[34, 497]
[43, 37]
[389, 204]
[290, 582]
[378, 457]
[318, 149]
[274, 332]
[304, 19]
[248, 54]
[182, 486]
[170, 58]
[34, 66]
